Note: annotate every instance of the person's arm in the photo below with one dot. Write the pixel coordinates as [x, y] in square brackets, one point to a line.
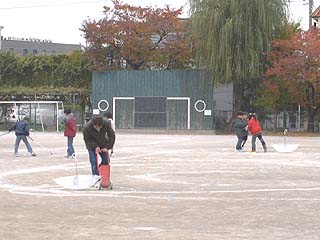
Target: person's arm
[27, 129]
[240, 123]
[250, 126]
[89, 139]
[73, 125]
[66, 119]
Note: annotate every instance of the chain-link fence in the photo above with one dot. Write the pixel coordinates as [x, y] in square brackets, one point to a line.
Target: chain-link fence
[294, 121]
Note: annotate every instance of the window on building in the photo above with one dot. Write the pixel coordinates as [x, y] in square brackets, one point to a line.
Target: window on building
[44, 52]
[25, 52]
[34, 52]
[11, 49]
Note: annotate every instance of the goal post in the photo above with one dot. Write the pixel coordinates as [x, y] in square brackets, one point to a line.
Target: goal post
[43, 115]
[186, 99]
[188, 104]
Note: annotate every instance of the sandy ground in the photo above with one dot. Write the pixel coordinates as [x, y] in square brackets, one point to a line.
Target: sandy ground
[165, 187]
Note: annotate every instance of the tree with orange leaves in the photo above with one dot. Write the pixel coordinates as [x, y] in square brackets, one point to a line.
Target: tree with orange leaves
[130, 37]
[295, 71]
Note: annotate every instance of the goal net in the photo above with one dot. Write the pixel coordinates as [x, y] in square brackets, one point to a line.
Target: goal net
[43, 115]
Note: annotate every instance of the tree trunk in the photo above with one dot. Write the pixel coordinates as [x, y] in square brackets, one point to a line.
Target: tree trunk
[237, 103]
[238, 97]
[311, 116]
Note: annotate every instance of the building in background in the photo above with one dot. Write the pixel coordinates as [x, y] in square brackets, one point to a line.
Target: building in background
[315, 18]
[32, 46]
[165, 99]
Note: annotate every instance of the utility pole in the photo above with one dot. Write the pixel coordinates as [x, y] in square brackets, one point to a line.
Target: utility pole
[310, 12]
[1, 27]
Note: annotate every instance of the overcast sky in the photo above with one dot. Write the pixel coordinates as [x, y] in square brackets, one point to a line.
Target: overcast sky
[60, 20]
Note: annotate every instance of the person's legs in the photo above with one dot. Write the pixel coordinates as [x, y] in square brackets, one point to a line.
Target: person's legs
[253, 142]
[70, 149]
[25, 140]
[262, 142]
[238, 146]
[93, 162]
[104, 158]
[16, 145]
[244, 140]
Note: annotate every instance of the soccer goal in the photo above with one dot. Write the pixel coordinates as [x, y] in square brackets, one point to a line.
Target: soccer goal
[175, 115]
[43, 115]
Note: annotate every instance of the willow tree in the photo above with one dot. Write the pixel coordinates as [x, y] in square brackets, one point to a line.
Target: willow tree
[232, 38]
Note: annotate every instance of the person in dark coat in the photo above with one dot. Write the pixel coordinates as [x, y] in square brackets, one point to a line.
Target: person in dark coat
[21, 129]
[70, 130]
[240, 128]
[99, 137]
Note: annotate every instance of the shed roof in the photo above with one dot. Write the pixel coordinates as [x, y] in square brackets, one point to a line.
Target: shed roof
[316, 13]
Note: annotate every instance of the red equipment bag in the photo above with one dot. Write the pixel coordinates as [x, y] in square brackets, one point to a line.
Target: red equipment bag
[104, 172]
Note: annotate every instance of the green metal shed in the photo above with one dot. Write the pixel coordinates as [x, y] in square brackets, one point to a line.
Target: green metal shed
[177, 99]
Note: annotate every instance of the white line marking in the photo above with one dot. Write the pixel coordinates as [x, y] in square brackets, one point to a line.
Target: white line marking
[146, 228]
[201, 195]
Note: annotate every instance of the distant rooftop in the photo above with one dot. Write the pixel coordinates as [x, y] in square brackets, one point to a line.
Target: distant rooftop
[26, 39]
[316, 13]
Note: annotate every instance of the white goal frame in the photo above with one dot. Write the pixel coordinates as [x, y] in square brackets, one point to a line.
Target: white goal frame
[168, 98]
[57, 103]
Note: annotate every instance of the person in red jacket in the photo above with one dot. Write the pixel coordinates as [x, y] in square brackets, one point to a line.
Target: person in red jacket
[70, 129]
[255, 129]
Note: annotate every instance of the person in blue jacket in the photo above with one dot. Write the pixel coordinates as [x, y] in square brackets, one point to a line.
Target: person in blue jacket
[21, 129]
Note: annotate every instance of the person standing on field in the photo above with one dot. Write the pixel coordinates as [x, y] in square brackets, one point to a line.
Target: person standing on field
[255, 129]
[21, 128]
[70, 129]
[240, 128]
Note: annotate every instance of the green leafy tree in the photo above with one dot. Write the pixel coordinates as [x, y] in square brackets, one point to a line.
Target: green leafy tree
[8, 67]
[50, 74]
[232, 38]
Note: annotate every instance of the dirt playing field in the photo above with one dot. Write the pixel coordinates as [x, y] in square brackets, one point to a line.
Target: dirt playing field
[166, 186]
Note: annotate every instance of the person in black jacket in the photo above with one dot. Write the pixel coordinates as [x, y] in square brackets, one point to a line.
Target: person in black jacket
[99, 137]
[21, 128]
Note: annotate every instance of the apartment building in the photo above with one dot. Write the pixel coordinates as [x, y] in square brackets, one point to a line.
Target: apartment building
[32, 46]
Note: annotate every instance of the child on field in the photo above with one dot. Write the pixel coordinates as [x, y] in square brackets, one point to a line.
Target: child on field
[21, 128]
[108, 116]
[239, 126]
[255, 129]
[70, 130]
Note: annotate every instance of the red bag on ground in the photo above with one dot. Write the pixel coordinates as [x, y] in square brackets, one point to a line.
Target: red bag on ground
[104, 171]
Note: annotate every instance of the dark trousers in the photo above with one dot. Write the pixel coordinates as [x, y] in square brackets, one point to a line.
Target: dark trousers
[259, 136]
